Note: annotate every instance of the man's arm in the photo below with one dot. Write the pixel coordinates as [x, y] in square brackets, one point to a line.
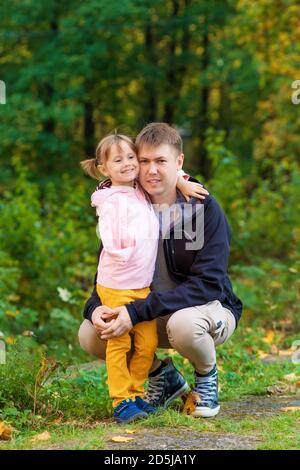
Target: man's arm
[205, 282]
[92, 303]
[94, 300]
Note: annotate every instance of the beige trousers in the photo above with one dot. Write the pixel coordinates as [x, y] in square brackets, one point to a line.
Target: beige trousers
[193, 332]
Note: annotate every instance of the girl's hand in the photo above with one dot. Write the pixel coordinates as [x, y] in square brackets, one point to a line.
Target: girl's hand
[118, 327]
[190, 189]
[98, 319]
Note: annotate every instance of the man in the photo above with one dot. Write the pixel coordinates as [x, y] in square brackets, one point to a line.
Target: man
[191, 295]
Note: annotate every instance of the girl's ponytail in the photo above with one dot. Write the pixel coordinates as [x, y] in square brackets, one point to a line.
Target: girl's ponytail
[90, 168]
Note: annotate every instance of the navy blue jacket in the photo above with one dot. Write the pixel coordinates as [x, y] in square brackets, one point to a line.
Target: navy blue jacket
[201, 274]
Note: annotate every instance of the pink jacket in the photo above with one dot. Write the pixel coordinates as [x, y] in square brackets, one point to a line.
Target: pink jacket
[129, 232]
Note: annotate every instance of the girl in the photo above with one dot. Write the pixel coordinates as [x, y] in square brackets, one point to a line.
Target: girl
[129, 231]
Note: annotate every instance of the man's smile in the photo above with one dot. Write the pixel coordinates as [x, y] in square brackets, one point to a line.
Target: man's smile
[154, 180]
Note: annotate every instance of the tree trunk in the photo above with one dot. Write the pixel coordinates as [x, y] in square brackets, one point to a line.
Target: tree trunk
[150, 113]
[89, 130]
[200, 158]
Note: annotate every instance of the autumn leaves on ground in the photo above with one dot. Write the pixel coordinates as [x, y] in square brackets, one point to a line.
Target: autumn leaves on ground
[68, 408]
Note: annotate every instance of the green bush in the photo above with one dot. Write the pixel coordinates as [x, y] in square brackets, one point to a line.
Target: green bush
[18, 376]
[33, 385]
[47, 244]
[264, 214]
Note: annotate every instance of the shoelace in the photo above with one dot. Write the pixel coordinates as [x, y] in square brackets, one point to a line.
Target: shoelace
[155, 388]
[207, 387]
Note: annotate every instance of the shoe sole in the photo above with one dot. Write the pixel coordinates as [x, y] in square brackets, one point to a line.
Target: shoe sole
[177, 394]
[133, 418]
[205, 412]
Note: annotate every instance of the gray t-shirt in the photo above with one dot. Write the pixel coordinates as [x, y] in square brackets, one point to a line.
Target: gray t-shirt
[161, 279]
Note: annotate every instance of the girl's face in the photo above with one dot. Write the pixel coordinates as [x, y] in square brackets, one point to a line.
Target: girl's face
[122, 165]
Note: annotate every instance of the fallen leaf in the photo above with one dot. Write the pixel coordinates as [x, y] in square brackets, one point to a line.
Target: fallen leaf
[291, 377]
[285, 352]
[28, 333]
[293, 270]
[190, 404]
[285, 322]
[44, 436]
[57, 420]
[130, 431]
[121, 439]
[5, 431]
[262, 354]
[10, 340]
[290, 408]
[269, 337]
[278, 389]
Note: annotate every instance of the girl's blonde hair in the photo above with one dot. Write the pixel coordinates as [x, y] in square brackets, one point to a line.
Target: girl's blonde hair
[102, 153]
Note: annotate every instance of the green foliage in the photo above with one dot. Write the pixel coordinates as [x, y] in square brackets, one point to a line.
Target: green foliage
[18, 375]
[85, 396]
[46, 243]
[33, 386]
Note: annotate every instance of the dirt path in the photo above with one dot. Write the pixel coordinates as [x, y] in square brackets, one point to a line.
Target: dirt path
[190, 439]
[184, 438]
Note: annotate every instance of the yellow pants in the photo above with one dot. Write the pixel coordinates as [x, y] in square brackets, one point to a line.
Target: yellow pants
[126, 380]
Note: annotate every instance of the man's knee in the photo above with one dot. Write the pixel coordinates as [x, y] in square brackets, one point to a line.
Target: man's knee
[181, 328]
[89, 341]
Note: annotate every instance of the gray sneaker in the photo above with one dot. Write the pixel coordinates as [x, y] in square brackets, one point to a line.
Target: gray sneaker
[206, 386]
[165, 386]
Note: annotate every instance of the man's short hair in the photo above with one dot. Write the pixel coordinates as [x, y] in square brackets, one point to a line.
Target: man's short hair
[159, 133]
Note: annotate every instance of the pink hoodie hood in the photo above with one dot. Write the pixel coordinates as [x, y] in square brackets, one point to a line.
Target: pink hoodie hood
[100, 196]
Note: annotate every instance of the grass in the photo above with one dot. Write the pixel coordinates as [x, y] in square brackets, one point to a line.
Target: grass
[280, 431]
[76, 410]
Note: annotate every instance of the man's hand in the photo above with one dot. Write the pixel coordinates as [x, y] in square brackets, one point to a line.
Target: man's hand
[98, 318]
[118, 327]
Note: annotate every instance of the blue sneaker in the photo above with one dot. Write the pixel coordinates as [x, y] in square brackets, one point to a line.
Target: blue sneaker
[144, 406]
[166, 385]
[127, 411]
[206, 386]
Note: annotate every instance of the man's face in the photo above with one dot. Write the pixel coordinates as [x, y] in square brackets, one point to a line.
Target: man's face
[158, 171]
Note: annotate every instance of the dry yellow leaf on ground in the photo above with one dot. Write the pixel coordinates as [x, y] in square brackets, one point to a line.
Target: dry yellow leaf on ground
[44, 436]
[269, 337]
[291, 377]
[190, 403]
[130, 431]
[285, 352]
[9, 340]
[5, 431]
[57, 420]
[262, 354]
[121, 439]
[290, 408]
